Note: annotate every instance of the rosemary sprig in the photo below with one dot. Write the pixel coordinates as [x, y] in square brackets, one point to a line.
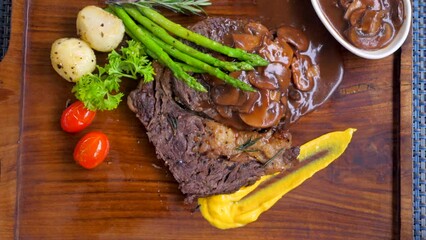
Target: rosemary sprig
[180, 6]
[275, 156]
[244, 147]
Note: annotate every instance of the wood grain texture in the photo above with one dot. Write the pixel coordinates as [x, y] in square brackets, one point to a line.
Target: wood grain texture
[366, 194]
[11, 69]
[405, 144]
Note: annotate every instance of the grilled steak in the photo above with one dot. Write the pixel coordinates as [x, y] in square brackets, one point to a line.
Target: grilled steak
[205, 157]
[209, 141]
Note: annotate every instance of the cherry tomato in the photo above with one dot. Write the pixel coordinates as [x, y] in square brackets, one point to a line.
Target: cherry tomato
[76, 117]
[91, 150]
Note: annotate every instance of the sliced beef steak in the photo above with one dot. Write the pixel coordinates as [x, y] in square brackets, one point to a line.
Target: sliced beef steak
[205, 155]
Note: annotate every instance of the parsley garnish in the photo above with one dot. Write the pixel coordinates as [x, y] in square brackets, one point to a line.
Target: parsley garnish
[101, 90]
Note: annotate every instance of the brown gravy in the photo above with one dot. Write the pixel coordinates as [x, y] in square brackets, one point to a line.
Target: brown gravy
[323, 50]
[366, 24]
[296, 40]
[288, 76]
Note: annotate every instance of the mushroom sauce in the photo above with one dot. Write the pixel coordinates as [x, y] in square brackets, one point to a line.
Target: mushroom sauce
[289, 74]
[366, 24]
[305, 68]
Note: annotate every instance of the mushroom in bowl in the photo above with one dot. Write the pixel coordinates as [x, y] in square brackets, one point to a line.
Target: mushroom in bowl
[371, 29]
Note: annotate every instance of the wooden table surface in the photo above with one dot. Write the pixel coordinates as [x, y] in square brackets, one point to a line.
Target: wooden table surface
[366, 194]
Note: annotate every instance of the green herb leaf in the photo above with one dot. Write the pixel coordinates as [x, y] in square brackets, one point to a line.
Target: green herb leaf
[275, 156]
[97, 93]
[101, 91]
[180, 6]
[247, 144]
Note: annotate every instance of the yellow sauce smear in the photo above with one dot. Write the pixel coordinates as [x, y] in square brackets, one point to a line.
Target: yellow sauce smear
[233, 210]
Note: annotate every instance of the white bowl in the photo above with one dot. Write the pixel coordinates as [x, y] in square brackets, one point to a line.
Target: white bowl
[396, 43]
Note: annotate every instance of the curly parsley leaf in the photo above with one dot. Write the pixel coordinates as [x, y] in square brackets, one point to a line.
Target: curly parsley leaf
[101, 91]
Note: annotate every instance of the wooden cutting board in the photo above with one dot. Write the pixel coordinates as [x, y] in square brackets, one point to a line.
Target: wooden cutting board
[366, 194]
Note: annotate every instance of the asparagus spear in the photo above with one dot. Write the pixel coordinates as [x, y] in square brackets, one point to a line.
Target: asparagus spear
[189, 68]
[193, 64]
[184, 66]
[157, 50]
[197, 63]
[165, 36]
[178, 30]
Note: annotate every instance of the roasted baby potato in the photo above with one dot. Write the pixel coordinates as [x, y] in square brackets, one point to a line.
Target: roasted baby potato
[100, 29]
[72, 58]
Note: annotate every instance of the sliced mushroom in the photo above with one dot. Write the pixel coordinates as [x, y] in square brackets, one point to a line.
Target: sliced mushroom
[275, 95]
[294, 37]
[313, 72]
[250, 99]
[266, 113]
[386, 35]
[371, 22]
[225, 111]
[345, 3]
[246, 42]
[294, 94]
[262, 79]
[274, 76]
[287, 51]
[374, 4]
[381, 39]
[276, 52]
[256, 29]
[356, 4]
[356, 16]
[397, 12]
[278, 73]
[303, 75]
[225, 95]
[284, 100]
[284, 79]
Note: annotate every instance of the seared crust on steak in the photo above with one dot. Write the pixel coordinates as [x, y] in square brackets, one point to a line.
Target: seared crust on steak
[180, 137]
[205, 157]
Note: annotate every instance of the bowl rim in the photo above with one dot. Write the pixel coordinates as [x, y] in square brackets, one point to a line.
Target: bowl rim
[396, 43]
